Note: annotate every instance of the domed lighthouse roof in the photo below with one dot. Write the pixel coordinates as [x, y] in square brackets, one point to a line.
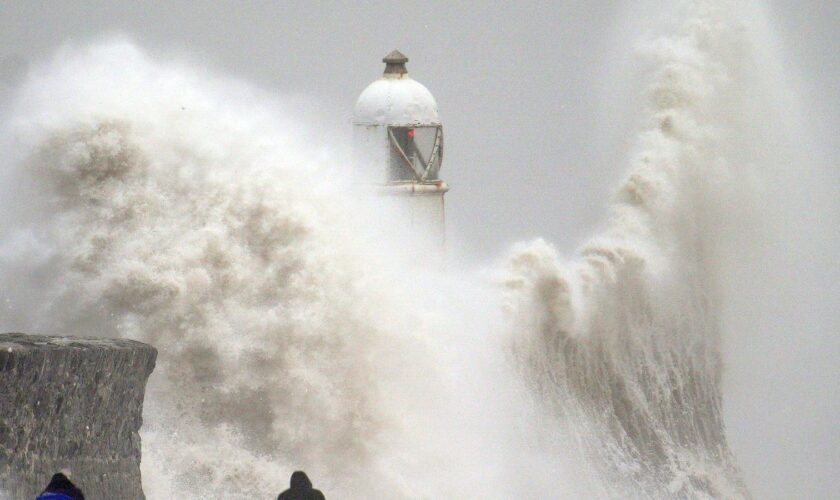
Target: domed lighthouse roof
[396, 99]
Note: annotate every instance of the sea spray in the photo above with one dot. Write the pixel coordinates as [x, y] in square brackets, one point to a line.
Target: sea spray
[182, 214]
[622, 343]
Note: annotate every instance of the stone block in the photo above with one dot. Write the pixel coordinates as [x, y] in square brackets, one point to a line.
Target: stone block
[75, 404]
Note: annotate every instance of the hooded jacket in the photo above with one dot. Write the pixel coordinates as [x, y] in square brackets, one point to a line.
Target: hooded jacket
[300, 488]
[60, 488]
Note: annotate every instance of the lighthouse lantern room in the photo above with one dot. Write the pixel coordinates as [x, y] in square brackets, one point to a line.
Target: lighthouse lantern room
[398, 141]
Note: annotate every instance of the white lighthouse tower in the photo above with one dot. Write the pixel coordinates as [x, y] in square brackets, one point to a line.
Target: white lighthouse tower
[398, 142]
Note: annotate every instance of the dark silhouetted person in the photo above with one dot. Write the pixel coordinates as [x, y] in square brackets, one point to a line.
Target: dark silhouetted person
[300, 488]
[60, 488]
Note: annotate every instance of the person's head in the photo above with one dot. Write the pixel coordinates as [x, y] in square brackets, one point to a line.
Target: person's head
[300, 481]
[59, 481]
[60, 487]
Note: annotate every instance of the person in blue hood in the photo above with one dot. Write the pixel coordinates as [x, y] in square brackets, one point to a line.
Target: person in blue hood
[300, 489]
[60, 488]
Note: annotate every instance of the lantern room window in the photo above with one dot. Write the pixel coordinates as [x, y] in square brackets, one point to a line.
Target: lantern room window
[416, 153]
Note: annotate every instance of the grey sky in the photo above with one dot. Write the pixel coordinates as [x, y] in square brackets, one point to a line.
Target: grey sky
[536, 126]
[536, 98]
[513, 85]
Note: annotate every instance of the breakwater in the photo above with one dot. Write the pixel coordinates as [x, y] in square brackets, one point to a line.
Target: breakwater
[75, 404]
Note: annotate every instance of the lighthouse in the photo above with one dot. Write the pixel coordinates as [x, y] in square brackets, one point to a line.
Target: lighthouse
[398, 145]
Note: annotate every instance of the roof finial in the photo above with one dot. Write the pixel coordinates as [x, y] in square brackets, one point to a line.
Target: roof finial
[395, 63]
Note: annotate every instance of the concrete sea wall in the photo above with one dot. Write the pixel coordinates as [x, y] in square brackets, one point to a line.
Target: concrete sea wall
[74, 404]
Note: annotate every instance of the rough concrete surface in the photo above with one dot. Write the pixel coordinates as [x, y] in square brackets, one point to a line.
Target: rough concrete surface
[74, 404]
